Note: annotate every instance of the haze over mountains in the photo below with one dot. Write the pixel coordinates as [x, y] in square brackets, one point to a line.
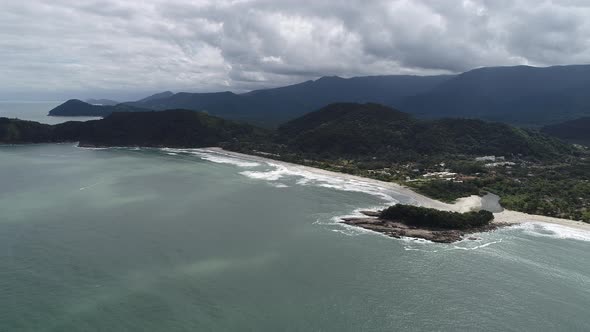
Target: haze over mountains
[522, 95]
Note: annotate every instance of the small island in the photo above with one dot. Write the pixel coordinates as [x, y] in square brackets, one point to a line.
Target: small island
[424, 223]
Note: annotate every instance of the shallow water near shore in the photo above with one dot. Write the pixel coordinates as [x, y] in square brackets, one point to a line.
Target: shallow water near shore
[176, 240]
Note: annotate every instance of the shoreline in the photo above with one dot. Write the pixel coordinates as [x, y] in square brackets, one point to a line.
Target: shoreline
[464, 204]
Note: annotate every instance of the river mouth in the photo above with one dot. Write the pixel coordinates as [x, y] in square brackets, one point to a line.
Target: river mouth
[491, 202]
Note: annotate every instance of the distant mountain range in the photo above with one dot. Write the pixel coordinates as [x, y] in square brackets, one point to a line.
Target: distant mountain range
[526, 96]
[271, 107]
[274, 106]
[520, 95]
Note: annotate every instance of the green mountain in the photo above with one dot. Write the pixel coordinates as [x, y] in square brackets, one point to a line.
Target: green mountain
[271, 107]
[521, 95]
[15, 131]
[575, 131]
[75, 107]
[336, 131]
[546, 176]
[376, 131]
[19, 131]
[173, 128]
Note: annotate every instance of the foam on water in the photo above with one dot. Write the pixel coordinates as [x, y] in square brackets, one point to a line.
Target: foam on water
[275, 171]
[272, 172]
[536, 228]
[216, 157]
[279, 171]
[279, 185]
[463, 245]
[226, 160]
[92, 185]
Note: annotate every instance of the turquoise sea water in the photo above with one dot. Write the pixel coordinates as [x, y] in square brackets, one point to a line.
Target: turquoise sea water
[190, 240]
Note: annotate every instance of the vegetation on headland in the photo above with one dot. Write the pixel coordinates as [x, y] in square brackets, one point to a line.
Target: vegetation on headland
[375, 132]
[424, 223]
[75, 107]
[536, 174]
[174, 128]
[432, 218]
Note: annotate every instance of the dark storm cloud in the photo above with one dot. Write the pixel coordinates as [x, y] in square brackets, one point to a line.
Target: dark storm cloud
[87, 46]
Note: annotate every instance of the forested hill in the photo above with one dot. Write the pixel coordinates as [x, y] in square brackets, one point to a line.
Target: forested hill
[174, 128]
[75, 107]
[539, 174]
[335, 131]
[576, 131]
[371, 130]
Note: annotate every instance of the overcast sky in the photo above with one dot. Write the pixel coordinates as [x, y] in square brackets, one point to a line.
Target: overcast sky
[122, 49]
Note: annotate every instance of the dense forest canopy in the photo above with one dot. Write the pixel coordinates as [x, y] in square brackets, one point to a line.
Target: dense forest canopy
[426, 217]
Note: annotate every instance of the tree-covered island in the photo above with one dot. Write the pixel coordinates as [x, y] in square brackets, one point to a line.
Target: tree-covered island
[425, 223]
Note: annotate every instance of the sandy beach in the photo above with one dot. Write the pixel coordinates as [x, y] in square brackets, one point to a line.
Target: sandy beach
[462, 205]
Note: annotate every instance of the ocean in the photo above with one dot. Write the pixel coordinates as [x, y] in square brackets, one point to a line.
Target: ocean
[36, 111]
[130, 239]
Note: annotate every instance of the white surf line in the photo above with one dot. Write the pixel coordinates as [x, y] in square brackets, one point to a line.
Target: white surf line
[462, 205]
[319, 175]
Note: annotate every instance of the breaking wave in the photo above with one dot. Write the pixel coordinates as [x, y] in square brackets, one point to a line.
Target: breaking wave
[555, 231]
[219, 158]
[274, 171]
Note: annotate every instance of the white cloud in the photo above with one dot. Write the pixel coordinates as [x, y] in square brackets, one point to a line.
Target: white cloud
[102, 47]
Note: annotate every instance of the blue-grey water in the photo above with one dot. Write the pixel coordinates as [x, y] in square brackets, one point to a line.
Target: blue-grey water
[190, 240]
[152, 240]
[36, 111]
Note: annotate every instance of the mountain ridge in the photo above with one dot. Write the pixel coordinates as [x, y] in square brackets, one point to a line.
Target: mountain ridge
[76, 107]
[519, 95]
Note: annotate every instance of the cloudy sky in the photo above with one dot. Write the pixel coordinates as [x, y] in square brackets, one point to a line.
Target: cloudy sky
[123, 49]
